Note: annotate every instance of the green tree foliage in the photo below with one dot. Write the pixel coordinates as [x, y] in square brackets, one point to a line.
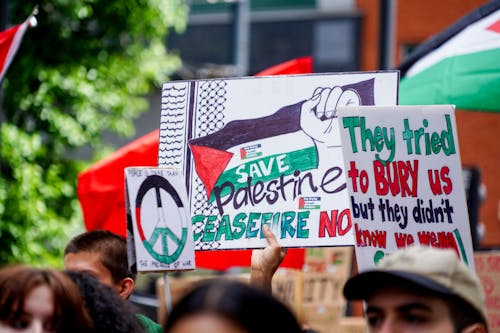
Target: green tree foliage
[85, 69]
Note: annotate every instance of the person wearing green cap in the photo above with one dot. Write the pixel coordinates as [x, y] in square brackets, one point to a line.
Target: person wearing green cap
[420, 289]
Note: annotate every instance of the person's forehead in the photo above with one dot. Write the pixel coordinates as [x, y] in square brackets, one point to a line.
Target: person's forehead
[400, 297]
[85, 262]
[40, 302]
[206, 322]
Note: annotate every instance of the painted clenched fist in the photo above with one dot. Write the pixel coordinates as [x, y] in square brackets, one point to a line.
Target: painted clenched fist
[318, 115]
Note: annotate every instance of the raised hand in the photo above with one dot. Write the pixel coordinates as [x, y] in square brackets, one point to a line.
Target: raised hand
[265, 262]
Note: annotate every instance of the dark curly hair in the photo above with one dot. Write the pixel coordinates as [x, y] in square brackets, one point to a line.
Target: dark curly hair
[110, 313]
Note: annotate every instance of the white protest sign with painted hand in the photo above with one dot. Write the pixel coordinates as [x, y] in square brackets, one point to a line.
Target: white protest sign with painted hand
[265, 150]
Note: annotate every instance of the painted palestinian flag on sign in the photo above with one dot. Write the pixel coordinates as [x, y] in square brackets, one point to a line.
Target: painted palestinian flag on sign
[212, 153]
[459, 66]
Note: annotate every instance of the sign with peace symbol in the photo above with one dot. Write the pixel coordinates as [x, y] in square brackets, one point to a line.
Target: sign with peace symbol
[158, 206]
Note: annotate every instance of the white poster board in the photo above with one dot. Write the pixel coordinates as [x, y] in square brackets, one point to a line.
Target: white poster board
[158, 207]
[264, 150]
[404, 179]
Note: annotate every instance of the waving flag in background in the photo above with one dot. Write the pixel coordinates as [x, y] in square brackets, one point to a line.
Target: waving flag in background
[460, 65]
[10, 40]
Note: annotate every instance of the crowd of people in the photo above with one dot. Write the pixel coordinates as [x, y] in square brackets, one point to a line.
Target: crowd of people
[417, 289]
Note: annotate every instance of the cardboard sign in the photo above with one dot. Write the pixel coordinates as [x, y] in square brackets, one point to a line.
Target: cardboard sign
[264, 150]
[352, 325]
[404, 178]
[488, 271]
[287, 285]
[334, 260]
[324, 318]
[323, 288]
[159, 219]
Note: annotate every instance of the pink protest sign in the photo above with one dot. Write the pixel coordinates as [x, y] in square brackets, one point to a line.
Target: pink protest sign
[488, 271]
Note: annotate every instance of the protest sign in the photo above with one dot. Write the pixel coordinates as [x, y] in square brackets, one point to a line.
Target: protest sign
[488, 271]
[158, 221]
[335, 260]
[264, 150]
[287, 286]
[322, 288]
[404, 178]
[352, 325]
[324, 318]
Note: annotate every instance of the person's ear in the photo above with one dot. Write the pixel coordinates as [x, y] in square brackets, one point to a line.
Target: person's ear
[475, 328]
[126, 287]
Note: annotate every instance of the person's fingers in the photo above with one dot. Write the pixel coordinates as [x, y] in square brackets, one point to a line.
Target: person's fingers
[349, 98]
[270, 237]
[310, 104]
[273, 242]
[320, 109]
[316, 92]
[332, 102]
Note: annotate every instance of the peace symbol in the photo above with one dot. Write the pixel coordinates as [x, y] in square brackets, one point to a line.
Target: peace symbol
[161, 233]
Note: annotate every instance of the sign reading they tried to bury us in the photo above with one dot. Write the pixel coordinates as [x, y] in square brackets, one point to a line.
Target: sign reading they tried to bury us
[158, 219]
[405, 182]
[266, 150]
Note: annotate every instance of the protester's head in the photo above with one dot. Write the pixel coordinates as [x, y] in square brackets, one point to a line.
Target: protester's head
[103, 255]
[420, 289]
[40, 301]
[230, 307]
[110, 313]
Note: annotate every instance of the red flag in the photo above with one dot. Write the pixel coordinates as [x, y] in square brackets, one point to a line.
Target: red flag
[10, 40]
[101, 188]
[303, 65]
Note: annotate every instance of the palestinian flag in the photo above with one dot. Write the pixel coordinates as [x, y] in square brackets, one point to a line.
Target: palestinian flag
[10, 40]
[460, 65]
[211, 153]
